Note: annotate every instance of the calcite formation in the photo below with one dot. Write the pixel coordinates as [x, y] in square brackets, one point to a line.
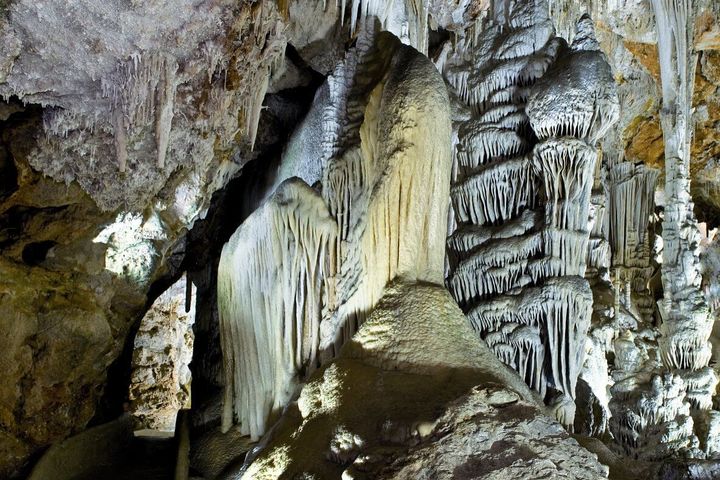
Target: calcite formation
[492, 249]
[270, 284]
[389, 392]
[83, 242]
[323, 171]
[373, 222]
[156, 86]
[521, 289]
[686, 324]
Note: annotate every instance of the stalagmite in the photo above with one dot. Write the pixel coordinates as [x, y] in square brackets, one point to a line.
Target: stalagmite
[686, 322]
[570, 108]
[392, 395]
[628, 308]
[271, 278]
[657, 421]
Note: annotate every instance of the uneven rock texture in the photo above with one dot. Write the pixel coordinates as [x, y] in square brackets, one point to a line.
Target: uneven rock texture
[626, 32]
[163, 347]
[121, 120]
[489, 434]
[65, 315]
[416, 395]
[161, 90]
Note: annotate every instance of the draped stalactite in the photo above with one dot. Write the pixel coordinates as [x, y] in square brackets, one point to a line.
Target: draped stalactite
[632, 189]
[271, 278]
[320, 260]
[495, 244]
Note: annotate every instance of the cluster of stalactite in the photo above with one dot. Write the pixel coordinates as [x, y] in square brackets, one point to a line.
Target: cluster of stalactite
[525, 164]
[622, 299]
[301, 273]
[632, 188]
[537, 227]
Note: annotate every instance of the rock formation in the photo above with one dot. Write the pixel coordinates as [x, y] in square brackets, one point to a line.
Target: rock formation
[270, 283]
[390, 392]
[275, 195]
[106, 85]
[526, 84]
[163, 348]
[372, 222]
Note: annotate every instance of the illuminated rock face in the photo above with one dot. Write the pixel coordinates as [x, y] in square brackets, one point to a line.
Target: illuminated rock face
[327, 257]
[270, 285]
[163, 347]
[518, 254]
[415, 394]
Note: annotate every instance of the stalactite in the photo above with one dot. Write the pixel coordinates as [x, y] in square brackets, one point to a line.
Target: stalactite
[481, 143]
[142, 92]
[599, 250]
[497, 192]
[560, 308]
[416, 16]
[271, 279]
[512, 269]
[632, 189]
[495, 267]
[566, 167]
[467, 237]
[253, 108]
[299, 276]
[120, 137]
[166, 101]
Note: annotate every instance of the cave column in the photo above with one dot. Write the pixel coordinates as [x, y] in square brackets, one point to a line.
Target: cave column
[686, 322]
